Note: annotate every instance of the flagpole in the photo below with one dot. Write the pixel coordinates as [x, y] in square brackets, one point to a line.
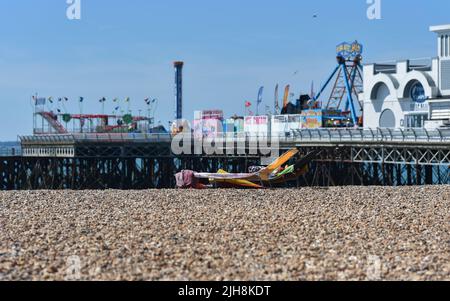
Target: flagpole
[154, 111]
[259, 100]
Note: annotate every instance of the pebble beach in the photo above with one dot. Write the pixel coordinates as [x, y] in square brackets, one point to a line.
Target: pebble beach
[342, 233]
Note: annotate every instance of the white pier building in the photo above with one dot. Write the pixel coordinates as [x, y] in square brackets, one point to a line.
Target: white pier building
[410, 93]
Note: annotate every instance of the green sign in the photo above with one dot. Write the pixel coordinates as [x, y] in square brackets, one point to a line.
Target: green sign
[67, 118]
[128, 119]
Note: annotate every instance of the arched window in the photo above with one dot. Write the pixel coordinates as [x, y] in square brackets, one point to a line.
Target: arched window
[387, 119]
[379, 94]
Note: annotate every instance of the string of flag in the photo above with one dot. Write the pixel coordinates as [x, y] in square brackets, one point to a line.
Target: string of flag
[61, 101]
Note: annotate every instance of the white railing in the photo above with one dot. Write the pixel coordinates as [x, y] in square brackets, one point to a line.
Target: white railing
[341, 135]
[369, 135]
[96, 138]
[297, 136]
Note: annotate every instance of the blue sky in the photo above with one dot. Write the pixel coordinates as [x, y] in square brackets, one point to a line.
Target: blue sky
[126, 48]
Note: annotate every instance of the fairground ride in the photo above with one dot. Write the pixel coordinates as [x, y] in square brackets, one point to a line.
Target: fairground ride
[47, 121]
[343, 107]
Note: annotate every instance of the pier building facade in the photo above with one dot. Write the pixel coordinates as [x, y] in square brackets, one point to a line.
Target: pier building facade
[410, 93]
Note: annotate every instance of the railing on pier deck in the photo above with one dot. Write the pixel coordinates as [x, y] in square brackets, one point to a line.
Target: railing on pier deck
[10, 151]
[370, 135]
[97, 138]
[347, 135]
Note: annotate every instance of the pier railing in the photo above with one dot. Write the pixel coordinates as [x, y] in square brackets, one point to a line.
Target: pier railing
[439, 136]
[96, 138]
[10, 151]
[369, 135]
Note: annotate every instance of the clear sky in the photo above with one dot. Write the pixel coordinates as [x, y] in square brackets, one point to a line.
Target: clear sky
[126, 48]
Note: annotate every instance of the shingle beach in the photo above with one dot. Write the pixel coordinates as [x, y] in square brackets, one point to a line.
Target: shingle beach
[351, 233]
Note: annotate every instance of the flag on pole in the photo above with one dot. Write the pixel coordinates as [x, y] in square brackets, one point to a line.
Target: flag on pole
[80, 105]
[39, 101]
[286, 96]
[277, 105]
[260, 99]
[260, 95]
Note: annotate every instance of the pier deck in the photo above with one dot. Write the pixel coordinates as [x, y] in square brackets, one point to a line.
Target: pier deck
[140, 161]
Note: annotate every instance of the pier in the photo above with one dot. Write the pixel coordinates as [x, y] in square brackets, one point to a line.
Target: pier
[142, 161]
